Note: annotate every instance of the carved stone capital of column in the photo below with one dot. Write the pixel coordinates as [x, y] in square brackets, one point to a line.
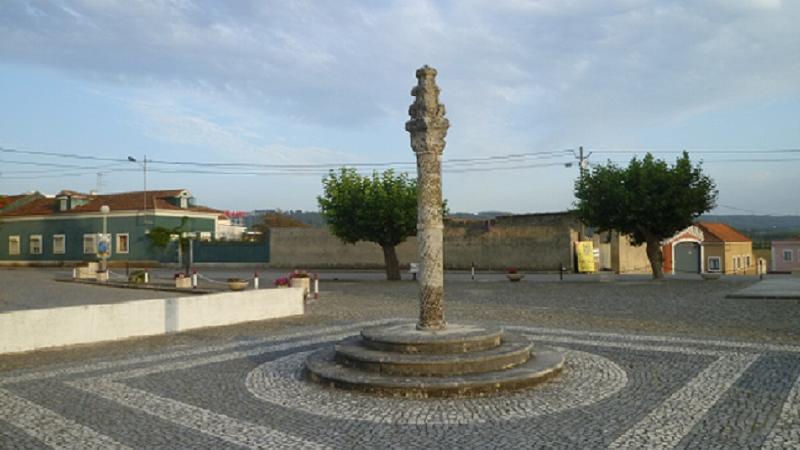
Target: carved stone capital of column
[428, 126]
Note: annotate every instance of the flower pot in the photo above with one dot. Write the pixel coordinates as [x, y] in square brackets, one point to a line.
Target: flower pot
[514, 277]
[238, 285]
[183, 283]
[102, 276]
[304, 283]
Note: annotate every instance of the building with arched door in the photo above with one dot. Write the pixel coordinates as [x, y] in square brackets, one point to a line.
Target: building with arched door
[709, 247]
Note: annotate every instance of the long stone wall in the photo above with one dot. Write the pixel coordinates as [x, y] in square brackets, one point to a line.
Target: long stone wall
[40, 328]
[528, 242]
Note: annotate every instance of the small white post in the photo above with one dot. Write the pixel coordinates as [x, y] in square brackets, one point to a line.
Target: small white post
[316, 286]
[255, 280]
[146, 276]
[472, 271]
[194, 278]
[74, 273]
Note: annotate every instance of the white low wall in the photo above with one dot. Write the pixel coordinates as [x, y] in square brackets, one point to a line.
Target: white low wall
[39, 328]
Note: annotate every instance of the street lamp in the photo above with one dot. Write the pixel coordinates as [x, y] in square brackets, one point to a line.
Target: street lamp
[144, 170]
[104, 245]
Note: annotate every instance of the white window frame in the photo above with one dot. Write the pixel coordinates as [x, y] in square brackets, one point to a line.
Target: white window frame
[14, 239]
[31, 248]
[711, 266]
[788, 253]
[748, 261]
[93, 249]
[127, 243]
[63, 249]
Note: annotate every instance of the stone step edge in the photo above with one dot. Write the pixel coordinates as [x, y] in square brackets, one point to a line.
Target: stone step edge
[385, 338]
[321, 368]
[513, 351]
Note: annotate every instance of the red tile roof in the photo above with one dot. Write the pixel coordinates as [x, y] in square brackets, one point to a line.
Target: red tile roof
[6, 200]
[125, 201]
[721, 232]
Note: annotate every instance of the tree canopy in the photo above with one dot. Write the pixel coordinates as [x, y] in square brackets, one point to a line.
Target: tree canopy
[380, 208]
[160, 238]
[649, 200]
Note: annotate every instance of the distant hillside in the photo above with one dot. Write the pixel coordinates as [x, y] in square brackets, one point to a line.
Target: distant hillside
[482, 215]
[761, 229]
[314, 218]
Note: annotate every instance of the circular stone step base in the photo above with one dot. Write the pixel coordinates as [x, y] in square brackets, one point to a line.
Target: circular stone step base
[323, 368]
[456, 338]
[513, 351]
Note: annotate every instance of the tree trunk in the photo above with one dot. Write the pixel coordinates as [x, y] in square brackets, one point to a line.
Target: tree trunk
[656, 258]
[392, 265]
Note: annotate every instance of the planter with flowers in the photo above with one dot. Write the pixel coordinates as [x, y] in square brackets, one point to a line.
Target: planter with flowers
[237, 284]
[300, 278]
[512, 275]
[182, 281]
[282, 282]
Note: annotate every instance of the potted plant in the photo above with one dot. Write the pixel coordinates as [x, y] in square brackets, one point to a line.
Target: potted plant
[300, 278]
[512, 275]
[282, 282]
[237, 284]
[136, 277]
[182, 281]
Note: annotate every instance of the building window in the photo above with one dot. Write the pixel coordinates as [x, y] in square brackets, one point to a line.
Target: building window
[713, 264]
[748, 261]
[89, 244]
[13, 245]
[63, 206]
[59, 244]
[787, 256]
[122, 243]
[35, 244]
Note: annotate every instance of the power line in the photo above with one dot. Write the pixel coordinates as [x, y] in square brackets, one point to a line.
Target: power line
[699, 150]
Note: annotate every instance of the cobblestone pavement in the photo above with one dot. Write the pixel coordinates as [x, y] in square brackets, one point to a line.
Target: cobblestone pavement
[649, 365]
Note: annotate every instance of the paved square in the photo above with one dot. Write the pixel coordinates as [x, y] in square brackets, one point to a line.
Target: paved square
[618, 391]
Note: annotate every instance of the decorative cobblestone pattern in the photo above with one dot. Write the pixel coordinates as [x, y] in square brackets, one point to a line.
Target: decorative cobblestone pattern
[619, 391]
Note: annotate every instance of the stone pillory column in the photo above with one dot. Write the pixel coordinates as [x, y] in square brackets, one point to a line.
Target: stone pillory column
[428, 127]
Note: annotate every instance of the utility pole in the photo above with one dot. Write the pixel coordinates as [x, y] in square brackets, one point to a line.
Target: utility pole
[583, 164]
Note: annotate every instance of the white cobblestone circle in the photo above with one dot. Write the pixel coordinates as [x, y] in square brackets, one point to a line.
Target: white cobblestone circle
[587, 378]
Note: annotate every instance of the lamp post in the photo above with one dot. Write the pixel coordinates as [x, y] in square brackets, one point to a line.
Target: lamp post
[103, 245]
[144, 170]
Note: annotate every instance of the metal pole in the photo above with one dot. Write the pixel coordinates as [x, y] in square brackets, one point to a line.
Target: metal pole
[103, 238]
[144, 207]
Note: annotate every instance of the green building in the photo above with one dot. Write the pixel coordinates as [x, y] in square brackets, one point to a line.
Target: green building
[66, 229]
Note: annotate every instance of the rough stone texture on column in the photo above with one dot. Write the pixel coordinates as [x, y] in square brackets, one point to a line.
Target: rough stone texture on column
[428, 128]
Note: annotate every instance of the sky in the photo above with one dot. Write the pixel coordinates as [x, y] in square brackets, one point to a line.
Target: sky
[260, 85]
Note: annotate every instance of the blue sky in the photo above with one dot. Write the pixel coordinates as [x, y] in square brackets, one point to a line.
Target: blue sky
[324, 83]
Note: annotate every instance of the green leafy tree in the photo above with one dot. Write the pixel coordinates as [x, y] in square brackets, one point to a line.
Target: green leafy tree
[160, 237]
[380, 208]
[649, 201]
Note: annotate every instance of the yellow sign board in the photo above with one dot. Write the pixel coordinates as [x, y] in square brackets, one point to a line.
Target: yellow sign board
[585, 254]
